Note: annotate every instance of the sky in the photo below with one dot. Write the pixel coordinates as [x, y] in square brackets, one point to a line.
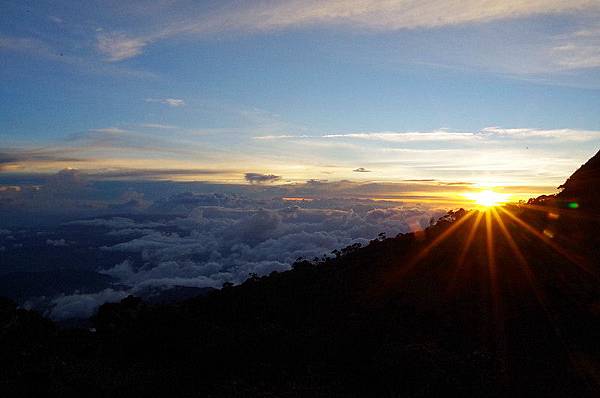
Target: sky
[434, 93]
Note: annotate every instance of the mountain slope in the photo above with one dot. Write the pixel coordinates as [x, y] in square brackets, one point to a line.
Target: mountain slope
[582, 186]
[498, 303]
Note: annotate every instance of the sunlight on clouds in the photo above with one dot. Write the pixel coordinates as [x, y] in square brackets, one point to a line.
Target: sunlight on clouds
[536, 160]
[388, 15]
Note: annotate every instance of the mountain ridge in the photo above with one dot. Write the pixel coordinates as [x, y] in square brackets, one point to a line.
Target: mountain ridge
[482, 303]
[582, 185]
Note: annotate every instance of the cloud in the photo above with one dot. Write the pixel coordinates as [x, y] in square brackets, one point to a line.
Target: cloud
[406, 136]
[391, 136]
[223, 233]
[361, 170]
[356, 14]
[172, 102]
[130, 147]
[55, 19]
[14, 158]
[399, 14]
[83, 305]
[537, 134]
[280, 137]
[56, 242]
[156, 174]
[115, 223]
[66, 179]
[212, 244]
[487, 133]
[118, 46]
[258, 178]
[158, 126]
[578, 50]
[23, 44]
[48, 51]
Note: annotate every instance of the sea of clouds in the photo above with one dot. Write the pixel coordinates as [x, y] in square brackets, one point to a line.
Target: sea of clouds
[210, 239]
[200, 235]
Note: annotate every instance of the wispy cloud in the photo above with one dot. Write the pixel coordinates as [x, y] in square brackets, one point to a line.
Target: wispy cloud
[497, 154]
[366, 14]
[391, 136]
[158, 174]
[406, 136]
[158, 126]
[118, 46]
[55, 19]
[280, 137]
[23, 44]
[578, 50]
[399, 14]
[487, 133]
[553, 134]
[41, 49]
[172, 102]
[12, 159]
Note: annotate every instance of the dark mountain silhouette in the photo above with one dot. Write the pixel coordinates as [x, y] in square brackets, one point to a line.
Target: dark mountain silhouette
[582, 186]
[503, 302]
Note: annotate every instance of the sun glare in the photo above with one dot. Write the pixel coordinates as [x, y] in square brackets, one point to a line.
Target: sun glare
[488, 198]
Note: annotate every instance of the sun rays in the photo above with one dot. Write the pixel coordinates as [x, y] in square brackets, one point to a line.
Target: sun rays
[496, 250]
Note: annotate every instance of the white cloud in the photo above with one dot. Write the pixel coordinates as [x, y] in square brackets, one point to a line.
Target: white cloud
[55, 19]
[110, 130]
[173, 102]
[279, 137]
[46, 50]
[373, 14]
[406, 136]
[552, 134]
[487, 133]
[118, 46]
[158, 126]
[366, 14]
[578, 50]
[217, 244]
[395, 136]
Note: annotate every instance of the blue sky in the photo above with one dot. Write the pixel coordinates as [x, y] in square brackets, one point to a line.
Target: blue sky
[479, 91]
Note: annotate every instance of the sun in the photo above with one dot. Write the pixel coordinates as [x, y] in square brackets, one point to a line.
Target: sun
[488, 198]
